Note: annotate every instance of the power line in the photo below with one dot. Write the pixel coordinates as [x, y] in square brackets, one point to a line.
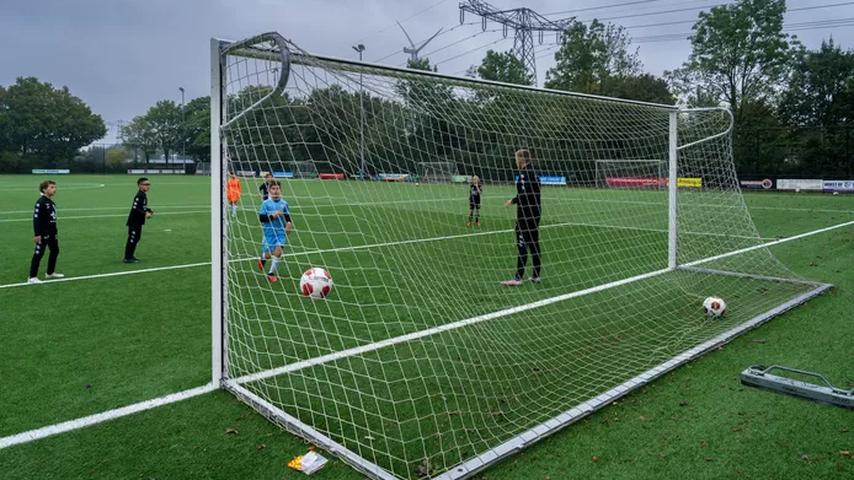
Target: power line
[384, 29]
[601, 7]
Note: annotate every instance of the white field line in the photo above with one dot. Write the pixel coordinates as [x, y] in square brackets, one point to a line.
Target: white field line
[39, 433]
[95, 209]
[340, 202]
[357, 247]
[43, 432]
[123, 215]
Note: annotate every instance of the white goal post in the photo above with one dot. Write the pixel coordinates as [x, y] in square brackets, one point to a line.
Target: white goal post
[419, 364]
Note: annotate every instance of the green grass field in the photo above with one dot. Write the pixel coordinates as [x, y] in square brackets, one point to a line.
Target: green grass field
[81, 347]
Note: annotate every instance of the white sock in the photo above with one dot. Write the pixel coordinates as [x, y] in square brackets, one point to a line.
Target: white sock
[274, 265]
[234, 210]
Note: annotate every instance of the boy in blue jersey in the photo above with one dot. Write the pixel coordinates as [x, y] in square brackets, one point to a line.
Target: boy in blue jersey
[276, 223]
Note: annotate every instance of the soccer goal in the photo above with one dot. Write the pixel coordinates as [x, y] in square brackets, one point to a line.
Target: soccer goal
[303, 169]
[437, 172]
[419, 364]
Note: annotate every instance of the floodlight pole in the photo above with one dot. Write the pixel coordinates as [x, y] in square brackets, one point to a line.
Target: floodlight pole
[183, 128]
[361, 48]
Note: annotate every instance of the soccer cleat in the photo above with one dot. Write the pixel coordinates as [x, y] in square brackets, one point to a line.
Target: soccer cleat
[34, 281]
[536, 279]
[512, 283]
[468, 224]
[272, 278]
[131, 260]
[54, 275]
[477, 223]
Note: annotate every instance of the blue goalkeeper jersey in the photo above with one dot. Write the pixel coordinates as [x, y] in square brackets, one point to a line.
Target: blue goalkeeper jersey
[275, 226]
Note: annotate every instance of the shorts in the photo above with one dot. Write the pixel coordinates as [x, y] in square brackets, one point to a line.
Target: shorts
[273, 240]
[474, 202]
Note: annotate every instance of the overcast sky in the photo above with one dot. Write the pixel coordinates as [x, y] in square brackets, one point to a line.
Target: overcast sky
[121, 56]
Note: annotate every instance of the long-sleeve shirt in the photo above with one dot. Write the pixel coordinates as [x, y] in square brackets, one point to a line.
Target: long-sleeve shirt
[44, 217]
[527, 199]
[138, 209]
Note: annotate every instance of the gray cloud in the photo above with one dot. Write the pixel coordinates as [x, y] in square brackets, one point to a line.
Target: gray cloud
[121, 56]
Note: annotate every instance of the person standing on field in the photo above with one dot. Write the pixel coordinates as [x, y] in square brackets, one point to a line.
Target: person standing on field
[528, 212]
[233, 193]
[139, 213]
[44, 233]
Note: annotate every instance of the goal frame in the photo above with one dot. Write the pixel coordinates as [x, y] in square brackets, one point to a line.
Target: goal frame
[219, 288]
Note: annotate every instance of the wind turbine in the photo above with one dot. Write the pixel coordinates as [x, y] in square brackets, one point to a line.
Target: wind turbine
[413, 50]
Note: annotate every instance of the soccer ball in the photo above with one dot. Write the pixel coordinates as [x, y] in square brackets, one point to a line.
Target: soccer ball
[315, 283]
[714, 306]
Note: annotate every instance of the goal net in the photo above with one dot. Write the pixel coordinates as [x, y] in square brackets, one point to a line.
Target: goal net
[420, 363]
[437, 172]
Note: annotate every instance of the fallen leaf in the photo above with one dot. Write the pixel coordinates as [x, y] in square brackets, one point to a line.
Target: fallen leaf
[683, 403]
[595, 458]
[709, 459]
[845, 453]
[260, 446]
[760, 340]
[231, 431]
[703, 444]
[643, 418]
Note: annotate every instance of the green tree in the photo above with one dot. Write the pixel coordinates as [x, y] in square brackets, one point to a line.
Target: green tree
[140, 136]
[504, 67]
[739, 55]
[590, 56]
[160, 128]
[46, 122]
[644, 87]
[817, 106]
[197, 128]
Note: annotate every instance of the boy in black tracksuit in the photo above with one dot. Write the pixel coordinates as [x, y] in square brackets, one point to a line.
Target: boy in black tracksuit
[44, 233]
[139, 212]
[528, 212]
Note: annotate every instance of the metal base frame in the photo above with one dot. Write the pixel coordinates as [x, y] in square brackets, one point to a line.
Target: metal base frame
[759, 376]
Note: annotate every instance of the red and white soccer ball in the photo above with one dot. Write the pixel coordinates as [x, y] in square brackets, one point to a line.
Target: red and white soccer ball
[714, 306]
[315, 283]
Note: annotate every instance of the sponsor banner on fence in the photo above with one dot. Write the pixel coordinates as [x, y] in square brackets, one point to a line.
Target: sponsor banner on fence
[154, 171]
[552, 180]
[461, 178]
[689, 182]
[642, 182]
[548, 179]
[246, 173]
[331, 176]
[393, 177]
[799, 184]
[765, 184]
[283, 174]
[838, 185]
[635, 182]
[51, 171]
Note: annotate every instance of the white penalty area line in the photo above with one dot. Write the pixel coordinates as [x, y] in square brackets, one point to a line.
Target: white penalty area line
[50, 430]
[63, 427]
[367, 247]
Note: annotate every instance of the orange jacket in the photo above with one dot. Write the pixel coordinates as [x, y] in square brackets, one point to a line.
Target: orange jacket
[233, 190]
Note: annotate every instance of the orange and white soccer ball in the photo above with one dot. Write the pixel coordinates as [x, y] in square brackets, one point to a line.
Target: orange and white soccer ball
[714, 306]
[315, 283]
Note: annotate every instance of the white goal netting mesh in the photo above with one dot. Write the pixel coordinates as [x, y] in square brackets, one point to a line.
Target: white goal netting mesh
[419, 359]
